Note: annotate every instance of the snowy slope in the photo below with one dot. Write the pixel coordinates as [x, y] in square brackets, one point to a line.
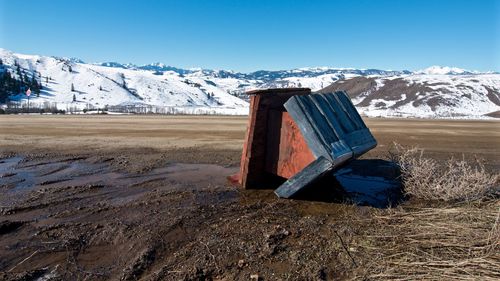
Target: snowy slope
[445, 70]
[101, 86]
[435, 92]
[424, 95]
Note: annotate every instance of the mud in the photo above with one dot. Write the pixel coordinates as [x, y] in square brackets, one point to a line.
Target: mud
[135, 209]
[78, 218]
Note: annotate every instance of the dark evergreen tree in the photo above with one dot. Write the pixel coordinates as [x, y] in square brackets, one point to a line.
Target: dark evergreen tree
[74, 97]
[35, 86]
[8, 85]
[72, 87]
[19, 73]
[3, 88]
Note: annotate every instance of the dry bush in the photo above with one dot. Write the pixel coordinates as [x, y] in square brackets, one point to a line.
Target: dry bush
[454, 180]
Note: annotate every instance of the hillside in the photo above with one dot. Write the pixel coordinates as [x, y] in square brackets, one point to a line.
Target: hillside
[435, 92]
[424, 95]
[72, 83]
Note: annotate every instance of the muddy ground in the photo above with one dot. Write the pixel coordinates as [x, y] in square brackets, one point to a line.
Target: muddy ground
[145, 197]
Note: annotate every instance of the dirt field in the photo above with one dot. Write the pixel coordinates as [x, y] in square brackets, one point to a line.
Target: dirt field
[145, 197]
[98, 134]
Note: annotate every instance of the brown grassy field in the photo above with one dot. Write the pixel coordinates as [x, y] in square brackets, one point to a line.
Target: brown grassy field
[66, 134]
[144, 198]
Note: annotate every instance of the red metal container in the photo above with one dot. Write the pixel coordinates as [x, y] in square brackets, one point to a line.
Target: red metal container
[274, 148]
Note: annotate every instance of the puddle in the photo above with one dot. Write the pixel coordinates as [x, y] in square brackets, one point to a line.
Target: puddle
[12, 177]
[9, 163]
[362, 182]
[17, 178]
[195, 174]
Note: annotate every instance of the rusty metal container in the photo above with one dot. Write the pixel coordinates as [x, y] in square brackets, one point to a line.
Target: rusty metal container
[295, 138]
[274, 148]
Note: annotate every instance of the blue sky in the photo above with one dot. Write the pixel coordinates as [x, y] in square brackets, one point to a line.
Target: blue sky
[252, 35]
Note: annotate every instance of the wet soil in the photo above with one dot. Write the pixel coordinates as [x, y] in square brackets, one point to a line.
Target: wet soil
[142, 208]
[79, 218]
[84, 218]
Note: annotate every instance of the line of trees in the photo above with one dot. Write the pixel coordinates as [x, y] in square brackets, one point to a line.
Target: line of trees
[12, 85]
[14, 107]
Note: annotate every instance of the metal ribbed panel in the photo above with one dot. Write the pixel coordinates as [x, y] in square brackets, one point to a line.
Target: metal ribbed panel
[333, 130]
[324, 119]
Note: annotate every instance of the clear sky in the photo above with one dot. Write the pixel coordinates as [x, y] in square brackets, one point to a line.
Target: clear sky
[248, 35]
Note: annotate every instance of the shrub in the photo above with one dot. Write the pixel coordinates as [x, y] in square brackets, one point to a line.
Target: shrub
[453, 180]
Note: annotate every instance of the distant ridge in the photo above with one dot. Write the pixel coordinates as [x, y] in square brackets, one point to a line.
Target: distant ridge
[434, 92]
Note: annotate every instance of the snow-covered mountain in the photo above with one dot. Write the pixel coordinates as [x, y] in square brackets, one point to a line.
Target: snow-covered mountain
[72, 83]
[432, 93]
[445, 70]
[236, 82]
[424, 95]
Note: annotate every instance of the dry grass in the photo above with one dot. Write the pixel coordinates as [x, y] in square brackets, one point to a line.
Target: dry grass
[455, 237]
[447, 243]
[453, 180]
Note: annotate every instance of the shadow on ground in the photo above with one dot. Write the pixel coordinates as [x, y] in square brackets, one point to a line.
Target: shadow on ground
[364, 182]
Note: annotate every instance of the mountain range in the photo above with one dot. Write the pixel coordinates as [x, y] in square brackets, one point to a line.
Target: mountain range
[435, 92]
